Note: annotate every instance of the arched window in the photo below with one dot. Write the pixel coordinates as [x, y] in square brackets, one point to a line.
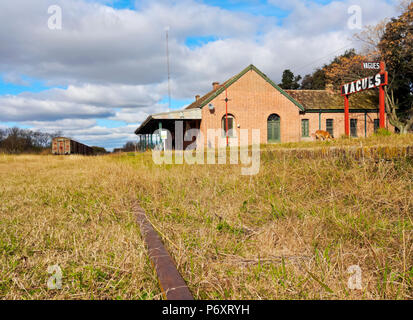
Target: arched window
[274, 128]
[274, 117]
[231, 125]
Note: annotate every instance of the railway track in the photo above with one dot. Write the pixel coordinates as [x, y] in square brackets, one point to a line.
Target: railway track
[351, 152]
[172, 284]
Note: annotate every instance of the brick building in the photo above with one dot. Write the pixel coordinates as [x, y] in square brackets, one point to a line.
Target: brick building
[256, 102]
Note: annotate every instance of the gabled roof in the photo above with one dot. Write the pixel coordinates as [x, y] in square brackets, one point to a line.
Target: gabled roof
[331, 100]
[203, 101]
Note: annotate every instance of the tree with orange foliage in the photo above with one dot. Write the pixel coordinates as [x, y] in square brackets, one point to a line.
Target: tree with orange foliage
[347, 68]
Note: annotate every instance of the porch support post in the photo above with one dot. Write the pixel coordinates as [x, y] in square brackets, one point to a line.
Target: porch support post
[139, 137]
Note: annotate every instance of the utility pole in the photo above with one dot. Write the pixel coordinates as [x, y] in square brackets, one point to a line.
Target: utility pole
[226, 115]
[168, 65]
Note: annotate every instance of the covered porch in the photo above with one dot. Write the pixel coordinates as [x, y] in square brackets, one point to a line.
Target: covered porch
[148, 139]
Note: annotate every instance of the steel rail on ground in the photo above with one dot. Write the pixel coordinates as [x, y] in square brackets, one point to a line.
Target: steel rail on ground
[172, 284]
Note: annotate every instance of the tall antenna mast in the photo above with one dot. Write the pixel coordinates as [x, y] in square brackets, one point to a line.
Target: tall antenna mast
[169, 71]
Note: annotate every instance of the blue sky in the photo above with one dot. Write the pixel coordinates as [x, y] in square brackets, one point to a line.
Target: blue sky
[27, 85]
[259, 7]
[255, 7]
[105, 71]
[123, 4]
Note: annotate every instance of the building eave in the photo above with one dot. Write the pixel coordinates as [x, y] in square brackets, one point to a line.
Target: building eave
[340, 111]
[186, 114]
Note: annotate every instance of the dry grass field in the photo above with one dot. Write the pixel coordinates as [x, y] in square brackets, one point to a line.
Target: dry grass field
[290, 232]
[73, 212]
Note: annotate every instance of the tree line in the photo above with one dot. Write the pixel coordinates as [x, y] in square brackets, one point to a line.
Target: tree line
[16, 140]
[130, 146]
[390, 41]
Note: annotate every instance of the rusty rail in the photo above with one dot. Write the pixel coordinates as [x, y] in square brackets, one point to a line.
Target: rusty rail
[172, 284]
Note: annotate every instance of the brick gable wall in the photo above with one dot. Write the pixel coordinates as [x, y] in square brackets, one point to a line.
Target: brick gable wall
[252, 101]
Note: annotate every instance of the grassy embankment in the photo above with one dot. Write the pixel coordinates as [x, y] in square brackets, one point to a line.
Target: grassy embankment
[290, 232]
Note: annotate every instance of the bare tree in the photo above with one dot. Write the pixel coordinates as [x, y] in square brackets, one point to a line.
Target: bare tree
[129, 146]
[394, 117]
[16, 140]
[370, 38]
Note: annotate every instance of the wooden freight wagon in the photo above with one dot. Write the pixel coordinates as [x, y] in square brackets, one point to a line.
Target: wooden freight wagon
[66, 146]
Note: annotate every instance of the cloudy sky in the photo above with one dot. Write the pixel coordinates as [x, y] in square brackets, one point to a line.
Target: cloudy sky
[100, 75]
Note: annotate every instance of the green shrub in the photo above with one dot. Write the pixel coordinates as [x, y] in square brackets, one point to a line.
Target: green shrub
[382, 132]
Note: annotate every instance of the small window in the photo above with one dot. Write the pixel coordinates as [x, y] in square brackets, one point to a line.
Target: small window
[330, 126]
[305, 127]
[353, 127]
[231, 123]
[376, 124]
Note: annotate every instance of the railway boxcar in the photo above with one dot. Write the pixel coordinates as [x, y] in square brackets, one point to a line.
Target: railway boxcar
[66, 146]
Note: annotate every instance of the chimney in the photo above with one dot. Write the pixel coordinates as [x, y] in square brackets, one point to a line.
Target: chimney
[197, 97]
[330, 87]
[215, 85]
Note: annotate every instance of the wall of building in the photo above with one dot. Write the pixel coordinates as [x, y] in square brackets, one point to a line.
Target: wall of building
[252, 100]
[338, 123]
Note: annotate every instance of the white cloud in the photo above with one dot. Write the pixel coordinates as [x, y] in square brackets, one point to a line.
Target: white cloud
[87, 131]
[107, 137]
[130, 115]
[66, 124]
[20, 108]
[311, 18]
[86, 101]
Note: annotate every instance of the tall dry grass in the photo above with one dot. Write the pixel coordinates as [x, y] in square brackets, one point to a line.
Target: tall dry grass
[73, 212]
[290, 232]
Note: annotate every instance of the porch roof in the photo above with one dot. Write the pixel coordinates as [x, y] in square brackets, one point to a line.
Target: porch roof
[151, 122]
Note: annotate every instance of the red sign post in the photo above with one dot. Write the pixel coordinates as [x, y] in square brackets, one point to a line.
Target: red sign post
[346, 115]
[379, 80]
[382, 96]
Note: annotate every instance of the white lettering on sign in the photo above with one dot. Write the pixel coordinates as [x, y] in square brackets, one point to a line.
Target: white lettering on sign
[371, 85]
[352, 88]
[378, 80]
[371, 65]
[364, 83]
[358, 85]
